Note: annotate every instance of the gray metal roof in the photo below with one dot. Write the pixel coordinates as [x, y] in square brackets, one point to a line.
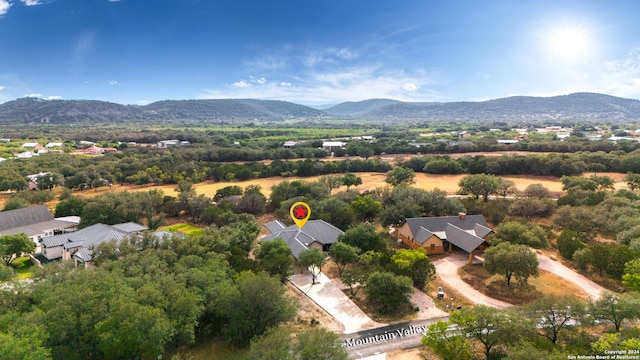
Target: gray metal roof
[73, 245]
[24, 217]
[275, 226]
[96, 234]
[313, 231]
[130, 227]
[422, 235]
[83, 255]
[439, 224]
[39, 228]
[462, 239]
[55, 240]
[296, 241]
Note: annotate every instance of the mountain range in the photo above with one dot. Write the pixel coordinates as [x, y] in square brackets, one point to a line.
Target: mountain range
[578, 106]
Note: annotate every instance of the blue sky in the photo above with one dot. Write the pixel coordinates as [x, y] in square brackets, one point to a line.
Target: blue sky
[317, 52]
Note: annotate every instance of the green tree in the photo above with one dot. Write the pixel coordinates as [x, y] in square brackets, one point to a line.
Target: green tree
[529, 208]
[537, 191]
[603, 182]
[319, 344]
[633, 181]
[313, 259]
[415, 264]
[11, 245]
[311, 344]
[364, 237]
[492, 327]
[275, 258]
[400, 175]
[554, 313]
[351, 179]
[133, 331]
[447, 344]
[257, 303]
[233, 190]
[15, 202]
[343, 255]
[275, 344]
[332, 181]
[479, 185]
[366, 207]
[511, 260]
[616, 309]
[6, 273]
[518, 233]
[631, 277]
[387, 291]
[568, 243]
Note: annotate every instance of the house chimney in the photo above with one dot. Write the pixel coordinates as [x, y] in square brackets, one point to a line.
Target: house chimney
[462, 215]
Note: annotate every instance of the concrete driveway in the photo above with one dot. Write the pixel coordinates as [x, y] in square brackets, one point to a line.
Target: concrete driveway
[555, 267]
[447, 270]
[329, 297]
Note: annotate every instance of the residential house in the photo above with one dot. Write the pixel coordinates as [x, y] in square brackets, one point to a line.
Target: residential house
[36, 222]
[93, 150]
[333, 145]
[435, 234]
[79, 245]
[317, 234]
[54, 144]
[290, 144]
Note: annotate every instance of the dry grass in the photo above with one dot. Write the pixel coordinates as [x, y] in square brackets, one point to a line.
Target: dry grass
[495, 285]
[370, 181]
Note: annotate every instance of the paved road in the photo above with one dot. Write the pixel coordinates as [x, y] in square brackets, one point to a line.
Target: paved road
[447, 270]
[388, 338]
[591, 288]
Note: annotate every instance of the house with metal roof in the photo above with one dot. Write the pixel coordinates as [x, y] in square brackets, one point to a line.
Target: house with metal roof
[314, 234]
[435, 234]
[34, 221]
[79, 245]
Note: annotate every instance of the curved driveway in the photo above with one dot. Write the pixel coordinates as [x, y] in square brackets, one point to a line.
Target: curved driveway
[447, 270]
[555, 267]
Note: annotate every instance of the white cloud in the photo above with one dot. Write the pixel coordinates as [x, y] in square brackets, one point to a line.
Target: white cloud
[54, 97]
[2, 87]
[35, 95]
[114, 82]
[240, 84]
[31, 2]
[622, 77]
[260, 80]
[142, 102]
[411, 87]
[4, 7]
[350, 84]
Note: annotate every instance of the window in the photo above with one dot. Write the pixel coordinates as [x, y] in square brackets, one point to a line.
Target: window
[433, 246]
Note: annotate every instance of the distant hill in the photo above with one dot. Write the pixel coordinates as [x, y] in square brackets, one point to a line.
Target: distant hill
[33, 110]
[579, 106]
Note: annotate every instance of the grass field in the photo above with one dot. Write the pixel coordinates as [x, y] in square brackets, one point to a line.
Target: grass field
[23, 267]
[495, 285]
[370, 181]
[182, 228]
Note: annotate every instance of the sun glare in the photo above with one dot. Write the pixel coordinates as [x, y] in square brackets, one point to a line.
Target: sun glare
[569, 43]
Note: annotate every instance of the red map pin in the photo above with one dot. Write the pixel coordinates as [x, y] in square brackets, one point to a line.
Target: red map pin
[300, 213]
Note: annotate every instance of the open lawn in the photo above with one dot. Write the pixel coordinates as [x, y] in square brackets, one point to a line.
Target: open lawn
[495, 285]
[182, 228]
[23, 267]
